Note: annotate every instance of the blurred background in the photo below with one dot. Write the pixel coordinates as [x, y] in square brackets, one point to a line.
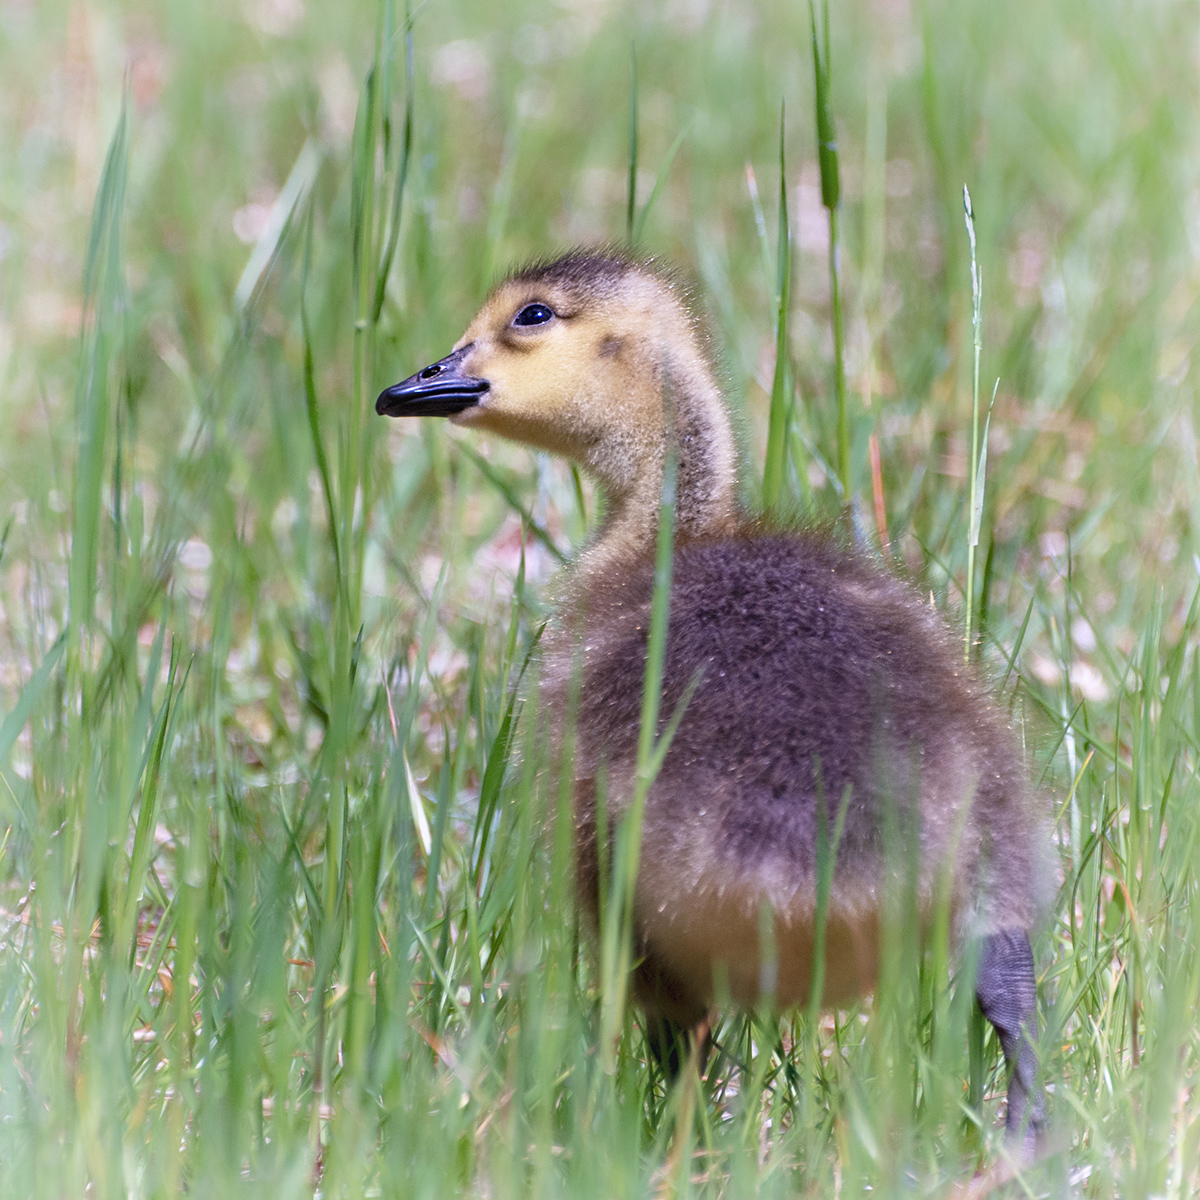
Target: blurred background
[250, 631]
[1073, 125]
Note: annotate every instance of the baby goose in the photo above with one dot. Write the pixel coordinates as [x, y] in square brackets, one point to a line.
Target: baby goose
[821, 678]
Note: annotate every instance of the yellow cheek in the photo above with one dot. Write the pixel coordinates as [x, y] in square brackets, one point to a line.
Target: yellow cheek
[522, 390]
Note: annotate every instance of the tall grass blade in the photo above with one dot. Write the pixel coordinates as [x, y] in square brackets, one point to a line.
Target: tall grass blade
[512, 496]
[502, 199]
[760, 226]
[660, 181]
[660, 608]
[979, 490]
[617, 937]
[827, 852]
[416, 806]
[313, 408]
[777, 430]
[406, 144]
[827, 157]
[631, 186]
[497, 762]
[103, 298]
[1011, 656]
[10, 728]
[417, 674]
[149, 786]
[266, 250]
[975, 498]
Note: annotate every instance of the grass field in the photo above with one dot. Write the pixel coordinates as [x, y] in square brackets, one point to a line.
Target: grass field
[276, 912]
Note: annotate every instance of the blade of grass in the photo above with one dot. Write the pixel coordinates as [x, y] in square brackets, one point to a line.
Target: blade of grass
[150, 794]
[510, 494]
[631, 187]
[827, 852]
[760, 226]
[827, 157]
[501, 199]
[497, 762]
[11, 728]
[266, 250]
[313, 407]
[103, 300]
[975, 498]
[979, 478]
[417, 807]
[777, 431]
[1011, 656]
[659, 183]
[617, 937]
[393, 237]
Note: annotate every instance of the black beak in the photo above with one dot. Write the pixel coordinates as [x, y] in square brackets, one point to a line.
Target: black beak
[440, 390]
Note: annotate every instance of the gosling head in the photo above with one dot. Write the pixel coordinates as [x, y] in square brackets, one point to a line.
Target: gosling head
[578, 357]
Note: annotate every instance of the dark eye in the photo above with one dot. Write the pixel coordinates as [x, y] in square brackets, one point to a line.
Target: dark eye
[533, 314]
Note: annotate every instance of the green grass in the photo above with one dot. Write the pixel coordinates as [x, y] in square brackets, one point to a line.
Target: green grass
[276, 903]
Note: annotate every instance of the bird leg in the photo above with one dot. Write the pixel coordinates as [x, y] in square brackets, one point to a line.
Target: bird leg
[673, 1045]
[674, 1018]
[667, 1042]
[1006, 989]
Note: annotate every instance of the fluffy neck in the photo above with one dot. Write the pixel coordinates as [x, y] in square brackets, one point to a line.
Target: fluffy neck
[706, 474]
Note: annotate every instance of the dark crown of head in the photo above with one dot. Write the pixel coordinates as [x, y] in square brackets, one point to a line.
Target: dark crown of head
[586, 271]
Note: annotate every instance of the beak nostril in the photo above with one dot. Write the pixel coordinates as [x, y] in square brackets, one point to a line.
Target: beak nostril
[439, 390]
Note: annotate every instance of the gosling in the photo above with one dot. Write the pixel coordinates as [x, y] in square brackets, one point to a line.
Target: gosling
[822, 680]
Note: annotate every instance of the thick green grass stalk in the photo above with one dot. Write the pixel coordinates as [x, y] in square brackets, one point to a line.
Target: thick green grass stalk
[777, 430]
[827, 158]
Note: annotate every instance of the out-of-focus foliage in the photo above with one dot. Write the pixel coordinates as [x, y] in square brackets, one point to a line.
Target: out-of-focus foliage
[276, 908]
